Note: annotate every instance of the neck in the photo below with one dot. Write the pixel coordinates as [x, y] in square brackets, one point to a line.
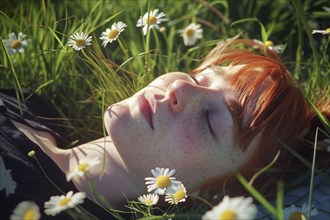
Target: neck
[110, 178]
[46, 142]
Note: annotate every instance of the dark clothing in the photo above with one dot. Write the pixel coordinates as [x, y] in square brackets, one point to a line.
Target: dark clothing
[32, 184]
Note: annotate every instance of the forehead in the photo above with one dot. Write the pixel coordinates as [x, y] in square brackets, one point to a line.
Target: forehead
[217, 77]
[221, 70]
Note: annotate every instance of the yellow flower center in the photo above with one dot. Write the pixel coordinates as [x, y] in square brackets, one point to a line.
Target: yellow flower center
[113, 33]
[228, 215]
[327, 30]
[29, 215]
[178, 195]
[16, 44]
[80, 42]
[152, 20]
[163, 181]
[148, 202]
[190, 33]
[269, 43]
[297, 216]
[83, 167]
[64, 201]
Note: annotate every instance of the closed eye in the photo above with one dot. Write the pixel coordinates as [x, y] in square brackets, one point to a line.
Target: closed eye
[207, 113]
[194, 79]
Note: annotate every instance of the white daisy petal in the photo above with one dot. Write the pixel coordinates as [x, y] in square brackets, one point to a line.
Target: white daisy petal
[111, 34]
[26, 210]
[82, 167]
[57, 204]
[155, 172]
[149, 199]
[232, 208]
[162, 181]
[179, 194]
[79, 41]
[191, 34]
[326, 31]
[151, 187]
[279, 48]
[14, 44]
[145, 30]
[12, 36]
[270, 45]
[295, 212]
[151, 20]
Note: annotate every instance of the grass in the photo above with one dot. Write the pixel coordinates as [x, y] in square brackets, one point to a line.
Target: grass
[81, 84]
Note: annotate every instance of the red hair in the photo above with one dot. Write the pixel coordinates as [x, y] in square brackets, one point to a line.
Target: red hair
[269, 103]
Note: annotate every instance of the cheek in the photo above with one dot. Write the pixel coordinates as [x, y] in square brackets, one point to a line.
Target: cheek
[199, 158]
[187, 136]
[177, 148]
[114, 115]
[173, 146]
[187, 151]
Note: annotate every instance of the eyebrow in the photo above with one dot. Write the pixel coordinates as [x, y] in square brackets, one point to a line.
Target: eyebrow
[218, 69]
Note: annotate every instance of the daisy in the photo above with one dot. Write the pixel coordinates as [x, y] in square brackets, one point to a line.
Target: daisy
[111, 34]
[162, 181]
[179, 195]
[232, 209]
[26, 210]
[82, 167]
[57, 204]
[79, 41]
[296, 213]
[149, 199]
[326, 31]
[277, 48]
[151, 20]
[15, 44]
[191, 34]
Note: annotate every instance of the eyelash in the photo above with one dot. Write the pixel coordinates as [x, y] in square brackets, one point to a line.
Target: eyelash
[194, 79]
[207, 115]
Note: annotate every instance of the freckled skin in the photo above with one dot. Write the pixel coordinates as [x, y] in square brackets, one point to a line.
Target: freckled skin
[184, 113]
[181, 138]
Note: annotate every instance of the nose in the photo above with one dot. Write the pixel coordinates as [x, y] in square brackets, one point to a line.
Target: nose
[180, 93]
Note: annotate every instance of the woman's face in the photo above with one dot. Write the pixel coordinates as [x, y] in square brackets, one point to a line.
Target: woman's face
[179, 123]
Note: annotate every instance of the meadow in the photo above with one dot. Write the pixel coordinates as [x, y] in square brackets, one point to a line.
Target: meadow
[80, 84]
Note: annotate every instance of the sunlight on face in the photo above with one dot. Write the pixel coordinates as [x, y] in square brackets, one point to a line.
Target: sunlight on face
[178, 122]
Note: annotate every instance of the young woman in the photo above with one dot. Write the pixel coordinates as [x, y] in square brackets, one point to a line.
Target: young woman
[233, 113]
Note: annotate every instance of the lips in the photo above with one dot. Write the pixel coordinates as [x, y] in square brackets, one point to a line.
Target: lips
[145, 109]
